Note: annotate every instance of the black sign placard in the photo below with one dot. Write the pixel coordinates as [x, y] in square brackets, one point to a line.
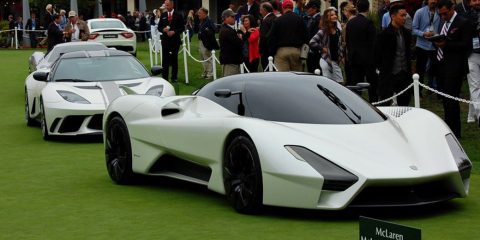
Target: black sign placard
[374, 229]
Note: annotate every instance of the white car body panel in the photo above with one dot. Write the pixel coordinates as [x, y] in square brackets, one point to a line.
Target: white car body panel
[405, 149]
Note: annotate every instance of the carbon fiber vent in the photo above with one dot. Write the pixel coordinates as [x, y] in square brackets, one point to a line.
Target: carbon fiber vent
[395, 111]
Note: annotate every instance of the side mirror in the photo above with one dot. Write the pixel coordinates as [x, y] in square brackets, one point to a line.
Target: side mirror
[223, 93]
[40, 76]
[156, 70]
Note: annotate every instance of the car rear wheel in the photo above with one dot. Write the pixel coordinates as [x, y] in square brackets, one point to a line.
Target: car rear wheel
[118, 151]
[242, 175]
[43, 123]
[30, 121]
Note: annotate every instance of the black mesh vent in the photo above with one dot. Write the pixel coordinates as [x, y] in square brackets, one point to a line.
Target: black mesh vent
[418, 194]
[71, 124]
[96, 122]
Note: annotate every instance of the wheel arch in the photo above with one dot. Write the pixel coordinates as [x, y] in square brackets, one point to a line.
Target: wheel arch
[234, 133]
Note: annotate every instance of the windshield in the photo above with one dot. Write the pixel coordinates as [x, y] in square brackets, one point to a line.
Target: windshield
[106, 24]
[96, 69]
[295, 98]
[60, 50]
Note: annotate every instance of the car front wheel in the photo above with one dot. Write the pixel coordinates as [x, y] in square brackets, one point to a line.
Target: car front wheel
[242, 175]
[43, 123]
[118, 151]
[30, 121]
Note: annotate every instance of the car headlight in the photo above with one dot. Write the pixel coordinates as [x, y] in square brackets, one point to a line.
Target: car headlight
[335, 177]
[461, 159]
[155, 90]
[72, 97]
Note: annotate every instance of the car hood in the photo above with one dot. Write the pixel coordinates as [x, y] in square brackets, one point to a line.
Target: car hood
[393, 149]
[107, 91]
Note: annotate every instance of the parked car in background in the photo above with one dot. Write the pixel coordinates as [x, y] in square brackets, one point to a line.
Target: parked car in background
[38, 60]
[70, 98]
[113, 33]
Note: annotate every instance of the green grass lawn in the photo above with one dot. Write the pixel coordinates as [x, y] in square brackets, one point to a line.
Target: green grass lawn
[61, 189]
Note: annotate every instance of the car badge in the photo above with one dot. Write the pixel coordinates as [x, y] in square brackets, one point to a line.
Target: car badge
[413, 167]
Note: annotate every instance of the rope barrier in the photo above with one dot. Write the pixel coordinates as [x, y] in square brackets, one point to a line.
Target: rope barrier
[196, 60]
[394, 96]
[446, 95]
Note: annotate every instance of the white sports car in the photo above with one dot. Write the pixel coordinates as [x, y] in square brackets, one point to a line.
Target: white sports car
[113, 33]
[287, 139]
[38, 60]
[71, 98]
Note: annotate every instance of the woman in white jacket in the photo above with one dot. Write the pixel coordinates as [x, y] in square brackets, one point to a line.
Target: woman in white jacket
[328, 42]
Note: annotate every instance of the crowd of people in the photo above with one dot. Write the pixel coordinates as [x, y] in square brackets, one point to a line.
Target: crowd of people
[441, 37]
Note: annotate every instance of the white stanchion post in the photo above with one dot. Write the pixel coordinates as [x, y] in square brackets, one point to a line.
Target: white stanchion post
[150, 51]
[242, 68]
[416, 90]
[161, 51]
[185, 62]
[16, 38]
[188, 40]
[155, 49]
[214, 65]
[270, 64]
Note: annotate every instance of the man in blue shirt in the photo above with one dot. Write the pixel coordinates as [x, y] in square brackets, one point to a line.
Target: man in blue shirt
[426, 23]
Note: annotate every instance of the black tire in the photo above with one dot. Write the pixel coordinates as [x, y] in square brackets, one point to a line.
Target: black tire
[43, 123]
[242, 175]
[30, 121]
[118, 152]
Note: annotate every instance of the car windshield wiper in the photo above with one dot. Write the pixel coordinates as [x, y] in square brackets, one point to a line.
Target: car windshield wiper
[71, 80]
[342, 106]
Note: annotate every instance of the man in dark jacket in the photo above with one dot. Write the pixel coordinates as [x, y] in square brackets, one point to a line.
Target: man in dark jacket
[11, 32]
[360, 42]
[55, 35]
[32, 25]
[266, 10]
[287, 36]
[313, 16]
[250, 8]
[452, 54]
[231, 45]
[392, 55]
[171, 26]
[206, 35]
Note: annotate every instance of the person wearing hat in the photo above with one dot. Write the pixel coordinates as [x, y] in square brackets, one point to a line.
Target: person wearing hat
[75, 30]
[171, 26]
[287, 36]
[231, 45]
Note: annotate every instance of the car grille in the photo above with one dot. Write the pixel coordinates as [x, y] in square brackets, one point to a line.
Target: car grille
[74, 122]
[71, 123]
[96, 122]
[409, 195]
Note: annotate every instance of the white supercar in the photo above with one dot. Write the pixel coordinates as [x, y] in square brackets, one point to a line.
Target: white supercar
[287, 139]
[69, 99]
